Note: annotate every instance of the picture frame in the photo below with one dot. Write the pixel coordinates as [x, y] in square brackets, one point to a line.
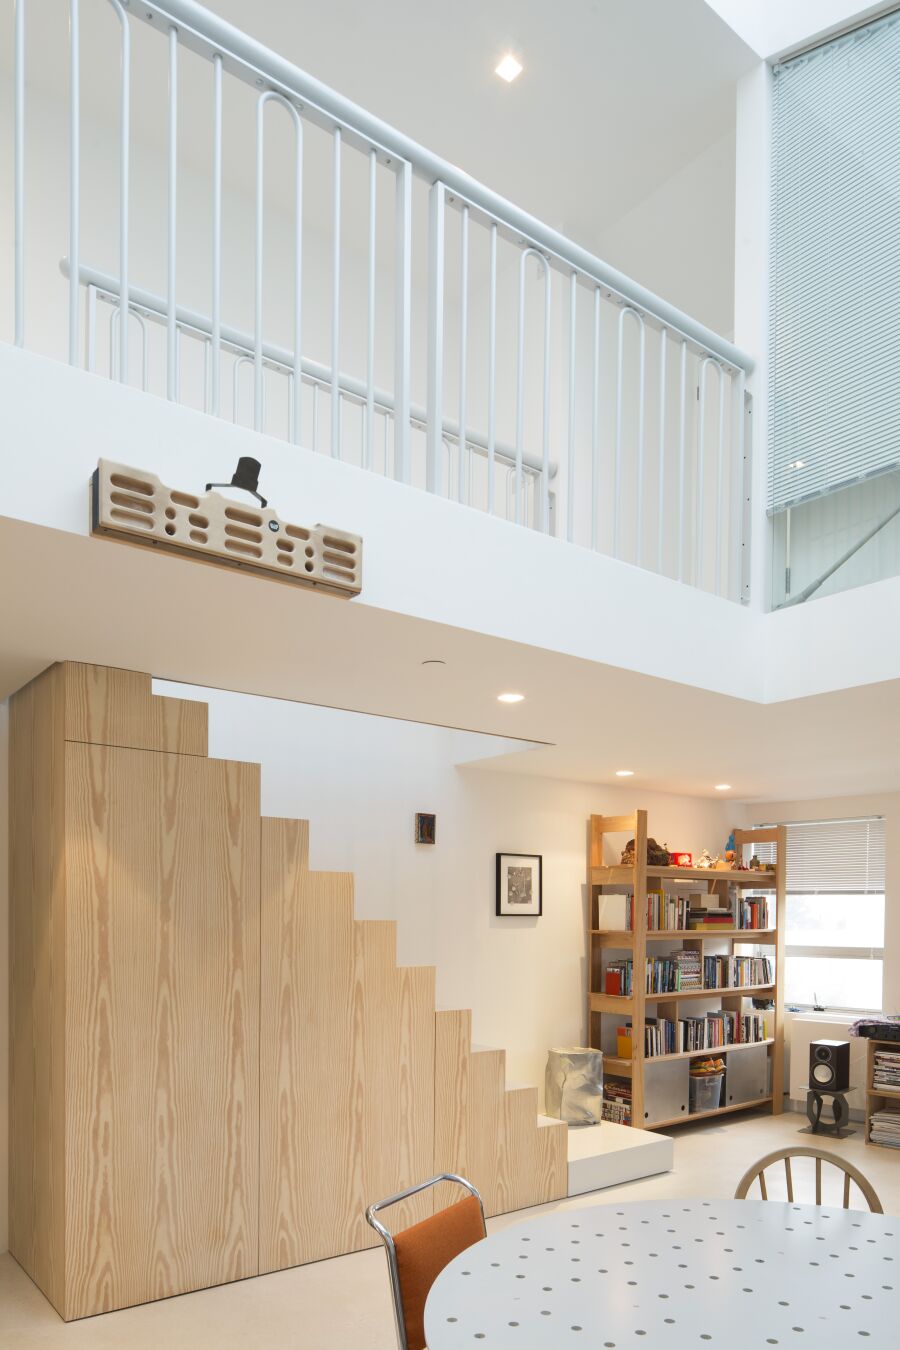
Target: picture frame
[519, 885]
[426, 823]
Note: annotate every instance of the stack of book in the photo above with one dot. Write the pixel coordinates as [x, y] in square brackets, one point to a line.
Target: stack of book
[886, 1070]
[736, 972]
[708, 920]
[885, 1126]
[617, 1100]
[669, 974]
[666, 913]
[753, 912]
[619, 978]
[706, 1032]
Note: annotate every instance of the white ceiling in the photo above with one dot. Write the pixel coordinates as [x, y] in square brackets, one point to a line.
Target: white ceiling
[95, 600]
[616, 95]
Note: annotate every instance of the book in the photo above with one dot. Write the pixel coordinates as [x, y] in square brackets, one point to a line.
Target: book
[618, 978]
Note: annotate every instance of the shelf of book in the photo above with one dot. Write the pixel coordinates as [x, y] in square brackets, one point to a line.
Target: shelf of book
[618, 1067]
[882, 1102]
[679, 893]
[760, 879]
[624, 937]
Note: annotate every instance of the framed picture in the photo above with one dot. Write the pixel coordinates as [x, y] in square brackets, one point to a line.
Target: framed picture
[519, 885]
[425, 826]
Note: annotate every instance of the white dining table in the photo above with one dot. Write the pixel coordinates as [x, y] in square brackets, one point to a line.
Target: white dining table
[670, 1274]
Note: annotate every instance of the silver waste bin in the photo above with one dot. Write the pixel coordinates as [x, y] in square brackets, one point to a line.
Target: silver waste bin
[573, 1089]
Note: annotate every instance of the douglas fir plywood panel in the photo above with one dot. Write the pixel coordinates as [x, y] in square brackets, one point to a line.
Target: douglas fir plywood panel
[488, 1133]
[163, 1000]
[347, 1063]
[37, 1002]
[116, 707]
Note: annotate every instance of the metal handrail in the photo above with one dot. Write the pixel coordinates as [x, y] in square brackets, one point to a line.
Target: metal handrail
[244, 344]
[205, 33]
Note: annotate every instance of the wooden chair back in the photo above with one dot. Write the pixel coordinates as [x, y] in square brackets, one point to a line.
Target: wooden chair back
[851, 1173]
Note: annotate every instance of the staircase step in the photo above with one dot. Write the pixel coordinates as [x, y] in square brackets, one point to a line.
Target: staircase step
[609, 1154]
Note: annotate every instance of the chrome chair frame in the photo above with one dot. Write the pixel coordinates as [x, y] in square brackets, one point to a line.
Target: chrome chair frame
[388, 1240]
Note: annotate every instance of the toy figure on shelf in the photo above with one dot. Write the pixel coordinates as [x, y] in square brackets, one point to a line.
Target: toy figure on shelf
[706, 860]
[657, 856]
[755, 864]
[730, 851]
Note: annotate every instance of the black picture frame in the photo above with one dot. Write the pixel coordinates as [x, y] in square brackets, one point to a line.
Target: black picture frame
[426, 827]
[519, 907]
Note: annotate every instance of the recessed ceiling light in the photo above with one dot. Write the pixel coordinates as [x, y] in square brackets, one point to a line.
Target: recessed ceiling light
[723, 787]
[510, 698]
[624, 773]
[509, 68]
[797, 464]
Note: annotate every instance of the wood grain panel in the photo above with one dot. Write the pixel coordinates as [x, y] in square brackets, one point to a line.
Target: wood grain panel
[163, 1007]
[487, 1132]
[37, 991]
[116, 707]
[347, 1062]
[552, 1161]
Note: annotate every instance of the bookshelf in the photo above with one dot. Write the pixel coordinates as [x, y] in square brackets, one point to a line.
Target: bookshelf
[754, 1069]
[879, 1098]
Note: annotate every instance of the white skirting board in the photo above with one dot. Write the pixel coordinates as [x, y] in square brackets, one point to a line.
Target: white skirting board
[608, 1154]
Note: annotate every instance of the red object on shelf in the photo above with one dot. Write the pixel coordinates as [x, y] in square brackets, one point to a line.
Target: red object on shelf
[681, 859]
[613, 982]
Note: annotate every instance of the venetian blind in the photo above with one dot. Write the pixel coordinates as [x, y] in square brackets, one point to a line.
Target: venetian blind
[834, 391]
[833, 857]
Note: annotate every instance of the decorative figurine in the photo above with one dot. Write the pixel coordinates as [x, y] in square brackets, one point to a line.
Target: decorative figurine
[706, 860]
[755, 864]
[681, 859]
[657, 855]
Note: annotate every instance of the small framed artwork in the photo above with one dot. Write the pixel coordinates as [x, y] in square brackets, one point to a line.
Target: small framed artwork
[519, 885]
[425, 824]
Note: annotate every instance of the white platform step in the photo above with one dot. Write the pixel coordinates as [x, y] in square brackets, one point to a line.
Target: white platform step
[608, 1154]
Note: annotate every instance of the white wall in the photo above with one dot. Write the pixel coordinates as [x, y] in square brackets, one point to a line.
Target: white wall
[679, 241]
[773, 27]
[359, 780]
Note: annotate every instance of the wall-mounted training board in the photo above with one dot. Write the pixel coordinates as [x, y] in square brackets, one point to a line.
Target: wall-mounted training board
[134, 506]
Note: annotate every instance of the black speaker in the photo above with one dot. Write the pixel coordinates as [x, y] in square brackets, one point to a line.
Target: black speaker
[829, 1065]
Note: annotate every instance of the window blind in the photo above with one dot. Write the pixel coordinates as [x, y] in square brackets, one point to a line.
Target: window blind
[834, 376]
[833, 857]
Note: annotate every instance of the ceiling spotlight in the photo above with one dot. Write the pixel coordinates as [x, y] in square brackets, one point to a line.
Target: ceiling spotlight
[510, 698]
[624, 773]
[509, 68]
[797, 464]
[723, 787]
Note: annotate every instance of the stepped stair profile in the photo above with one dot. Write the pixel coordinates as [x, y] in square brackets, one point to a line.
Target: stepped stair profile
[216, 1066]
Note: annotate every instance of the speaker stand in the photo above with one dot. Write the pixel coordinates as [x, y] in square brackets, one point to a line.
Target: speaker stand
[836, 1128]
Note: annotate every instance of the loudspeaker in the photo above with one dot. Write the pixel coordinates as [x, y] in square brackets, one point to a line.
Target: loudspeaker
[829, 1065]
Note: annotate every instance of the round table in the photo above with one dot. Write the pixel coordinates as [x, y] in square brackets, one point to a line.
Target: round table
[668, 1274]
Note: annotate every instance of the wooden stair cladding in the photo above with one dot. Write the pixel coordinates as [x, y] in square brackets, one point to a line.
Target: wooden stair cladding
[487, 1132]
[346, 1062]
[215, 1065]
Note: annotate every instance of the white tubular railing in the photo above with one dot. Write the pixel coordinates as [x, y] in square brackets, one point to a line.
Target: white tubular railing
[614, 435]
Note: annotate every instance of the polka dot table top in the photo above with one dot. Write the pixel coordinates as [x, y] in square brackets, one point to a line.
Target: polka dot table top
[722, 1274]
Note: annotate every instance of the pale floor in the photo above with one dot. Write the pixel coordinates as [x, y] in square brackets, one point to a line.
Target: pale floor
[345, 1302]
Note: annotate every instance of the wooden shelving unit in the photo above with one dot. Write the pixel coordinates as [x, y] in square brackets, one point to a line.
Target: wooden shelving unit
[645, 1072]
[878, 1097]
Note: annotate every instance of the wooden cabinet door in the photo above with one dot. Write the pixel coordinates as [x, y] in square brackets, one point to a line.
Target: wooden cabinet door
[162, 1024]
